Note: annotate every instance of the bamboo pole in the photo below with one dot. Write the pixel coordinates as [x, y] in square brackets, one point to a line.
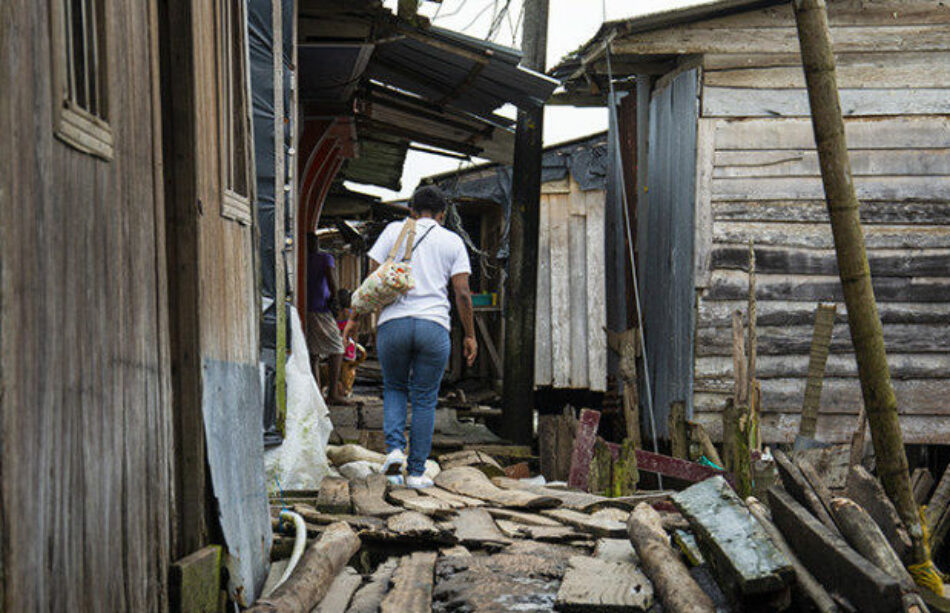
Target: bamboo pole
[866, 332]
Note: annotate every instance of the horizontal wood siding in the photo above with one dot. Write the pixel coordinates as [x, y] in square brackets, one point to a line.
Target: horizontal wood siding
[765, 186]
[85, 405]
[570, 345]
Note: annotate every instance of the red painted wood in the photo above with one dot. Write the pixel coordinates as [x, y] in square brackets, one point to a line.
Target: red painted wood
[584, 440]
[671, 467]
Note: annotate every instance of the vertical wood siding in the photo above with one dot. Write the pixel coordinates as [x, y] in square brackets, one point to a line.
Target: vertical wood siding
[570, 345]
[762, 183]
[85, 375]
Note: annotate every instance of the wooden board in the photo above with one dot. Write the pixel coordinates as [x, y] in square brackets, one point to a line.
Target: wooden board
[836, 566]
[742, 555]
[456, 501]
[598, 526]
[357, 522]
[728, 102]
[475, 529]
[596, 300]
[341, 591]
[467, 457]
[883, 263]
[369, 597]
[910, 71]
[334, 496]
[615, 550]
[528, 519]
[577, 297]
[196, 581]
[414, 501]
[804, 163]
[369, 497]
[555, 443]
[797, 134]
[412, 585]
[471, 482]
[543, 534]
[591, 584]
[802, 313]
[559, 215]
[543, 368]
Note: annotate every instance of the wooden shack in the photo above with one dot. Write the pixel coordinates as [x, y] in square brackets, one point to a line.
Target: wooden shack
[725, 156]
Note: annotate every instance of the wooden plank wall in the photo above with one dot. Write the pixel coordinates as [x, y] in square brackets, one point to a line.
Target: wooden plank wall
[570, 345]
[85, 370]
[761, 182]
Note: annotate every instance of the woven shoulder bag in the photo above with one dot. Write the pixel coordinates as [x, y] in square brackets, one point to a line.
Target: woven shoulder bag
[391, 280]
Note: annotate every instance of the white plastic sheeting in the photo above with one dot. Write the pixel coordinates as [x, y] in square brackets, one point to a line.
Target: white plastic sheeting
[300, 463]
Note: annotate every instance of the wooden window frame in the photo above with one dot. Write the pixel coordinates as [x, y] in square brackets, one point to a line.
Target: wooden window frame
[73, 124]
[234, 205]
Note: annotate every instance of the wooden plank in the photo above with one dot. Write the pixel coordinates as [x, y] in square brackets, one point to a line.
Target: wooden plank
[543, 365]
[743, 556]
[475, 529]
[818, 357]
[725, 285]
[489, 344]
[471, 482]
[559, 216]
[196, 581]
[832, 428]
[802, 313]
[334, 496]
[801, 490]
[357, 522]
[616, 551]
[673, 467]
[415, 501]
[410, 528]
[865, 490]
[583, 451]
[916, 71]
[341, 591]
[579, 316]
[703, 241]
[456, 501]
[819, 237]
[412, 585]
[596, 291]
[598, 526]
[369, 597]
[820, 262]
[528, 519]
[369, 497]
[872, 187]
[570, 499]
[838, 567]
[783, 40]
[595, 585]
[728, 102]
[543, 534]
[555, 443]
[796, 133]
[804, 163]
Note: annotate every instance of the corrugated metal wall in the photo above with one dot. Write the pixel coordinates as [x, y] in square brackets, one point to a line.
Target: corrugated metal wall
[570, 344]
[666, 244]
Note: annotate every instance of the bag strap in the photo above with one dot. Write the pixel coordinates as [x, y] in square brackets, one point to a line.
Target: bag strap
[410, 228]
[419, 242]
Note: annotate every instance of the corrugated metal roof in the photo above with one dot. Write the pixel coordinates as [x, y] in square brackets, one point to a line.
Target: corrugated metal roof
[380, 161]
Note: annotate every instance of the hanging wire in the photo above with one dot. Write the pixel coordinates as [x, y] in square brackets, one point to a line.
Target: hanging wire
[612, 99]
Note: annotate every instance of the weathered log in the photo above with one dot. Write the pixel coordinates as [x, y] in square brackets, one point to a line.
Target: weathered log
[595, 585]
[676, 588]
[745, 561]
[865, 536]
[837, 566]
[865, 490]
[801, 490]
[412, 585]
[311, 580]
[806, 587]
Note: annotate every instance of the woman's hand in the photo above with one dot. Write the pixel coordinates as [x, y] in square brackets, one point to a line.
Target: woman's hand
[470, 349]
[350, 331]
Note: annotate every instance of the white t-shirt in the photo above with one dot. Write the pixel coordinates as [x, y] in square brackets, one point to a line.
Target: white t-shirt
[436, 259]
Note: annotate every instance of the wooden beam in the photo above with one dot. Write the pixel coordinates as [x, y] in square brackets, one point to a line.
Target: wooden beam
[583, 450]
[818, 357]
[412, 585]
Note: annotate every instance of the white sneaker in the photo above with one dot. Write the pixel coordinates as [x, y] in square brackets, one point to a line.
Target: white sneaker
[419, 483]
[396, 480]
[394, 462]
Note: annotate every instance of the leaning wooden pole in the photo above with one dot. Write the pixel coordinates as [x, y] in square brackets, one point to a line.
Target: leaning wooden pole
[866, 332]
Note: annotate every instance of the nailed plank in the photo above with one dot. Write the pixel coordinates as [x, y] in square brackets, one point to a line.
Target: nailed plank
[412, 585]
[414, 501]
[797, 134]
[924, 70]
[467, 457]
[596, 320]
[456, 501]
[600, 527]
[475, 529]
[471, 482]
[804, 163]
[341, 591]
[838, 567]
[369, 497]
[583, 451]
[743, 556]
[591, 584]
[728, 102]
[334, 496]
[369, 597]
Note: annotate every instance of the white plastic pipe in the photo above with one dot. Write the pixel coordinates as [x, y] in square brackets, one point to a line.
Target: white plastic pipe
[300, 543]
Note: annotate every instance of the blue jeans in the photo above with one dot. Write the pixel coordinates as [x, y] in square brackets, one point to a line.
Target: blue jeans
[413, 354]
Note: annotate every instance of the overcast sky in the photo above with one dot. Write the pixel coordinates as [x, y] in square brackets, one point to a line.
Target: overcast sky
[571, 23]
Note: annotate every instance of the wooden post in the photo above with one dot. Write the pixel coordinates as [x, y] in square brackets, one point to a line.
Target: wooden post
[679, 446]
[818, 357]
[866, 331]
[521, 282]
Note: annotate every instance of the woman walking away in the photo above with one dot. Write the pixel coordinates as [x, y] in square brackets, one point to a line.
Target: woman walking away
[412, 338]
